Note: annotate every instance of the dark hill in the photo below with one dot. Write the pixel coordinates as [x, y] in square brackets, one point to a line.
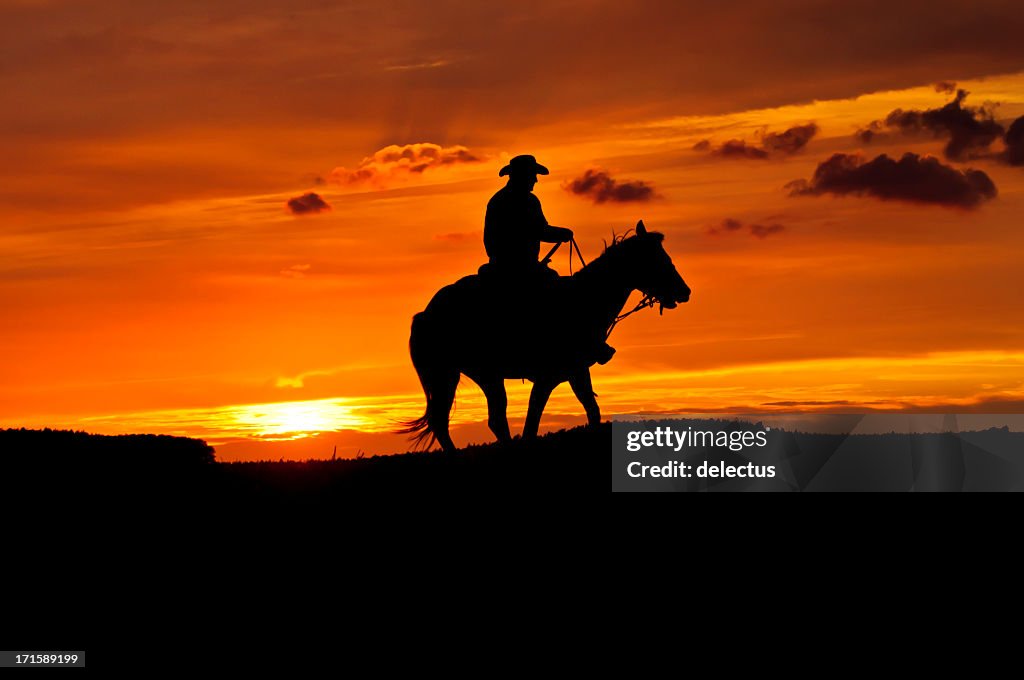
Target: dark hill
[53, 470]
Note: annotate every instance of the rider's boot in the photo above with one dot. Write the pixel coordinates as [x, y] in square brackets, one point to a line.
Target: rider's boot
[604, 353]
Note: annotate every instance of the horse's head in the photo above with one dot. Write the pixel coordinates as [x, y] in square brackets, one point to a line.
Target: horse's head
[651, 268]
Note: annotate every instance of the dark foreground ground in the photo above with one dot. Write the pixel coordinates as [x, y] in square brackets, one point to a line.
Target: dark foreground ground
[156, 524]
[65, 474]
[73, 470]
[158, 527]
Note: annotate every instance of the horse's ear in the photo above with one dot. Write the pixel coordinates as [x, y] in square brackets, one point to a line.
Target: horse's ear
[641, 230]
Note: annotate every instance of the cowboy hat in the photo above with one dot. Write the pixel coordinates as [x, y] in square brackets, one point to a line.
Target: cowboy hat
[525, 164]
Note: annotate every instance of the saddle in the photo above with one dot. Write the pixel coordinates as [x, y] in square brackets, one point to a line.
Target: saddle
[517, 312]
[530, 317]
[522, 293]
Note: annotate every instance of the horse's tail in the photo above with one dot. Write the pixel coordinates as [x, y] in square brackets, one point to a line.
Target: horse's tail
[439, 382]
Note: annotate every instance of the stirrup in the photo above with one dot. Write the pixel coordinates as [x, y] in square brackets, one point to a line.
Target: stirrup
[605, 352]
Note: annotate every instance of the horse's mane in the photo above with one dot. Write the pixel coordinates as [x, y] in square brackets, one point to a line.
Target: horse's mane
[616, 239]
[618, 243]
[620, 239]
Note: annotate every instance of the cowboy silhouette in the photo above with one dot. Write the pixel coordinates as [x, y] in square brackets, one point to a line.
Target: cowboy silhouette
[514, 227]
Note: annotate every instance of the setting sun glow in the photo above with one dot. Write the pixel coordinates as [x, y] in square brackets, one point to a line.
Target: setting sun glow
[292, 420]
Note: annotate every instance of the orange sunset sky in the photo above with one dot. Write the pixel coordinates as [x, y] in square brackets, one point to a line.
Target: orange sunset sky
[154, 278]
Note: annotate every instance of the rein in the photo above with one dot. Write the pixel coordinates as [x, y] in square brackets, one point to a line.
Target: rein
[575, 246]
[647, 301]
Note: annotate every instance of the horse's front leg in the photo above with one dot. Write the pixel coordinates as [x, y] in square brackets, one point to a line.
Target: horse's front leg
[538, 400]
[584, 391]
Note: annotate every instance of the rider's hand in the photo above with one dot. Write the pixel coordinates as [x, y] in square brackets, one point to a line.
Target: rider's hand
[566, 234]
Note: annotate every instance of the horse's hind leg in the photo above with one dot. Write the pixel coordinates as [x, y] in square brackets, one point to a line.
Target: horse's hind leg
[584, 391]
[440, 409]
[497, 407]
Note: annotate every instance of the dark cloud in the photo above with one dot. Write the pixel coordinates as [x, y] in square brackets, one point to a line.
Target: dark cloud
[790, 141]
[1014, 141]
[945, 86]
[970, 130]
[307, 204]
[600, 187]
[730, 225]
[918, 179]
[765, 230]
[406, 159]
[781, 143]
[737, 148]
[872, 132]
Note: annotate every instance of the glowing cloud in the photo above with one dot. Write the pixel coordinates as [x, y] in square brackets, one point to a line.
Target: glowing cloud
[407, 160]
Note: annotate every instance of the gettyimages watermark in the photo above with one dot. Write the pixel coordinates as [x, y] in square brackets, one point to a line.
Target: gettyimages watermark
[669, 438]
[818, 452]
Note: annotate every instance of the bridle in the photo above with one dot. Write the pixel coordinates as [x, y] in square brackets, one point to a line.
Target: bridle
[647, 301]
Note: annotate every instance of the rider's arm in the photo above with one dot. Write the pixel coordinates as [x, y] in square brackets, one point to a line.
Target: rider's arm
[550, 233]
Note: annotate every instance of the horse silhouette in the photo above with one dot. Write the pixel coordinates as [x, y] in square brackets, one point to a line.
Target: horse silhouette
[542, 331]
